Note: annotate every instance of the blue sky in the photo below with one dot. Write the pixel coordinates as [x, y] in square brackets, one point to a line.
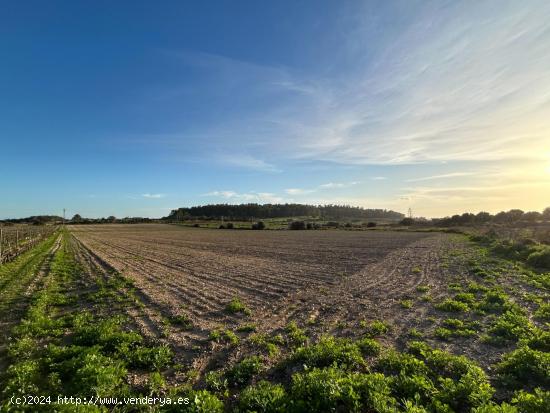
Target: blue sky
[135, 108]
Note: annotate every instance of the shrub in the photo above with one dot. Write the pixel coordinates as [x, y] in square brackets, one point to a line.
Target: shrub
[446, 333]
[495, 408]
[229, 225]
[422, 288]
[414, 333]
[237, 306]
[223, 336]
[23, 348]
[453, 327]
[369, 347]
[230, 337]
[454, 287]
[535, 402]
[295, 335]
[329, 351]
[107, 333]
[330, 389]
[406, 303]
[495, 301]
[474, 287]
[454, 323]
[510, 326]
[479, 271]
[23, 377]
[543, 312]
[156, 383]
[395, 363]
[258, 225]
[462, 384]
[182, 320]
[149, 357]
[415, 386]
[263, 397]
[371, 224]
[267, 343]
[540, 258]
[524, 366]
[242, 372]
[246, 328]
[95, 374]
[216, 381]
[297, 225]
[377, 328]
[467, 298]
[451, 306]
[538, 340]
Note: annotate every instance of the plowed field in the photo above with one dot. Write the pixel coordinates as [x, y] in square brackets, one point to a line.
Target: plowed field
[328, 276]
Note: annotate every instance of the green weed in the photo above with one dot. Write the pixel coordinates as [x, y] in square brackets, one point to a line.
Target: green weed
[237, 306]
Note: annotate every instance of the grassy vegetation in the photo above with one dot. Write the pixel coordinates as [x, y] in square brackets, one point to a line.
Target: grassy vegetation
[181, 320]
[237, 306]
[223, 336]
[452, 306]
[61, 348]
[407, 303]
[534, 253]
[17, 275]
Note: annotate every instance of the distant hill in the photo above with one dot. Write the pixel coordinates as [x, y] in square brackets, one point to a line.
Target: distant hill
[264, 211]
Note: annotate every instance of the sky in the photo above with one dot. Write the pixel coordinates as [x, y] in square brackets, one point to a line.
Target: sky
[134, 108]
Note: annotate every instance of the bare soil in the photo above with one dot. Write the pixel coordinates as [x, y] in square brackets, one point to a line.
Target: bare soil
[327, 280]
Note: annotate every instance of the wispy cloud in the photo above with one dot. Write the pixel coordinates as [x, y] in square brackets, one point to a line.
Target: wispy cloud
[298, 191]
[463, 83]
[260, 197]
[442, 176]
[458, 82]
[331, 185]
[322, 187]
[153, 196]
[248, 162]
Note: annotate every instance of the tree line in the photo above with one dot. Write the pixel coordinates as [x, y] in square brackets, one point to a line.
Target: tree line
[513, 216]
[265, 211]
[76, 219]
[35, 220]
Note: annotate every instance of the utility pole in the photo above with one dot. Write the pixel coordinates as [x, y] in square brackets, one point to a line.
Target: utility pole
[410, 213]
[63, 217]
